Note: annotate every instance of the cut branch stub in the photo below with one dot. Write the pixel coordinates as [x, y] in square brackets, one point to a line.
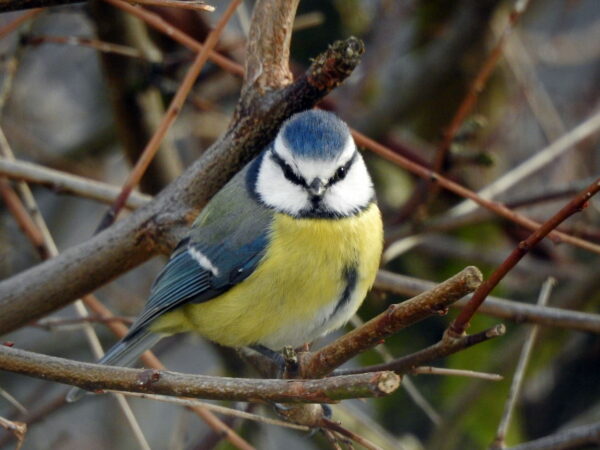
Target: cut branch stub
[336, 64]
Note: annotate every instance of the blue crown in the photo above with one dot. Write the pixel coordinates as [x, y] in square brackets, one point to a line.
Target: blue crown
[315, 134]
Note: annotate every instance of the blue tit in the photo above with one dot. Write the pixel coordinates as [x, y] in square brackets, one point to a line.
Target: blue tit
[283, 254]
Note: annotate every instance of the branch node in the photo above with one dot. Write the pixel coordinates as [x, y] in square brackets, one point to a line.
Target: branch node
[496, 331]
[148, 377]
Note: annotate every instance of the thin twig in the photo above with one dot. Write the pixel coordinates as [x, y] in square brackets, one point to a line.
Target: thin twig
[16, 23]
[63, 182]
[355, 417]
[404, 238]
[428, 370]
[548, 193]
[334, 426]
[538, 98]
[17, 428]
[540, 159]
[478, 84]
[446, 346]
[18, 211]
[517, 382]
[309, 20]
[101, 46]
[216, 408]
[407, 383]
[450, 185]
[426, 191]
[157, 22]
[13, 401]
[497, 307]
[60, 323]
[13, 59]
[332, 439]
[195, 5]
[14, 5]
[577, 204]
[40, 413]
[170, 115]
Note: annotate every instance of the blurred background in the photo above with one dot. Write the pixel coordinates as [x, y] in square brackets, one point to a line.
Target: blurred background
[68, 106]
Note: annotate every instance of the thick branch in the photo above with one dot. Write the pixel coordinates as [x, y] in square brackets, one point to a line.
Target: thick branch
[98, 377]
[396, 317]
[159, 225]
[270, 39]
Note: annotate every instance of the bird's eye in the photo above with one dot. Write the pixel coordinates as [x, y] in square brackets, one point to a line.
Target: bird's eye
[340, 174]
[342, 171]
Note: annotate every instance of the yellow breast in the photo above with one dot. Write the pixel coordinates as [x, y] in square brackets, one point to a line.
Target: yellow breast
[290, 297]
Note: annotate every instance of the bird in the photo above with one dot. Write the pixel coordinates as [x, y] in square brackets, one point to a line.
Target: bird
[283, 254]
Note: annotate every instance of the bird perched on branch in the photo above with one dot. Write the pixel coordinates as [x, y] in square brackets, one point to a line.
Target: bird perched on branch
[283, 254]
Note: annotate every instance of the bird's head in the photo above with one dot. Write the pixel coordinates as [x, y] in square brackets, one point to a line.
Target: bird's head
[313, 169]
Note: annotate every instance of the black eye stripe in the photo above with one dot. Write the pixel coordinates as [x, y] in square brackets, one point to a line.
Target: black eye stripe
[341, 173]
[289, 173]
[287, 170]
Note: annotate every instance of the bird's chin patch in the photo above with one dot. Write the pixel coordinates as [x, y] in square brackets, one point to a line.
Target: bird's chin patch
[316, 202]
[317, 208]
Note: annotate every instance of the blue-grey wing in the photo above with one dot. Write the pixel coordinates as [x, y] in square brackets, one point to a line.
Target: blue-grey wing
[228, 240]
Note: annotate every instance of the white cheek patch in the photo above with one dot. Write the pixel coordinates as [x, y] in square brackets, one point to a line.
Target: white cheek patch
[352, 193]
[277, 191]
[203, 260]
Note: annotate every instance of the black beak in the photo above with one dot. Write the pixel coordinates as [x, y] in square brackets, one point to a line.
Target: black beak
[316, 188]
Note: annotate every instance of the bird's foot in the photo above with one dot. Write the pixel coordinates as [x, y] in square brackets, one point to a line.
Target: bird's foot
[286, 363]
